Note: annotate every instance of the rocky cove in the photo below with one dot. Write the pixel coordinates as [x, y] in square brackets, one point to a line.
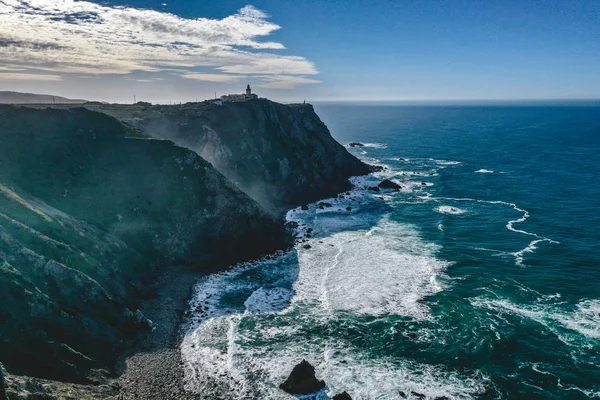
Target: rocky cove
[108, 214]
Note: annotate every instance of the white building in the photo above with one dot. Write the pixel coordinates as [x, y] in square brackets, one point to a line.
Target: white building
[239, 97]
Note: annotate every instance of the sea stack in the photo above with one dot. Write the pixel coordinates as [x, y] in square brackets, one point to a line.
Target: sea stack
[302, 380]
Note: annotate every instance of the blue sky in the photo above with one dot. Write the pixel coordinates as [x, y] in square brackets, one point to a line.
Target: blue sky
[295, 50]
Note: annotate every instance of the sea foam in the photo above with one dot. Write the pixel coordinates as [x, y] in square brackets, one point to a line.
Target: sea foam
[252, 324]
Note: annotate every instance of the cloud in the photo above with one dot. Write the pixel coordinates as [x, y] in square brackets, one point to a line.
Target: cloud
[213, 77]
[285, 81]
[16, 76]
[87, 38]
[12, 69]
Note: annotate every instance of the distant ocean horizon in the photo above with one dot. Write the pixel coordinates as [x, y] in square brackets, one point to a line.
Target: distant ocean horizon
[591, 102]
[478, 279]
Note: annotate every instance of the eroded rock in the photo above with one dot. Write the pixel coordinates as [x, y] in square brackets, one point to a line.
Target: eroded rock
[302, 380]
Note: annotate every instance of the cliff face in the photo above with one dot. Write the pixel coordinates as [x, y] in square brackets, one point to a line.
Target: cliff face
[89, 210]
[280, 155]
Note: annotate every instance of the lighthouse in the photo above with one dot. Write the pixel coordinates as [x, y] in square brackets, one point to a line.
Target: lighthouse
[248, 91]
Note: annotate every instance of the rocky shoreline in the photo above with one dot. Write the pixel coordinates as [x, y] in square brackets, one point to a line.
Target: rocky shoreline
[90, 234]
[153, 369]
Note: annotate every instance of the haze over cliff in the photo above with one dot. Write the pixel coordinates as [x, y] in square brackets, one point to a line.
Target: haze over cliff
[280, 155]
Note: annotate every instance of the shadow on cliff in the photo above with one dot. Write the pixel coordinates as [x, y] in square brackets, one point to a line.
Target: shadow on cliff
[91, 211]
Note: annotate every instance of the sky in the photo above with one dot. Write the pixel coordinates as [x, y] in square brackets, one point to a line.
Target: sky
[315, 50]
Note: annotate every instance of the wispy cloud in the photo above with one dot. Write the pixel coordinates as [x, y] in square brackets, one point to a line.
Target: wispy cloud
[213, 77]
[67, 36]
[19, 76]
[285, 81]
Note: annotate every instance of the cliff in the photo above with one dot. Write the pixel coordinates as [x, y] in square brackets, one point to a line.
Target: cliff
[280, 155]
[90, 209]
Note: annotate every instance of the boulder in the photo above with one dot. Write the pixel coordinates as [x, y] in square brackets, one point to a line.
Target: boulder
[307, 246]
[418, 395]
[292, 225]
[305, 207]
[324, 204]
[348, 208]
[302, 380]
[342, 396]
[387, 184]
[373, 188]
[355, 144]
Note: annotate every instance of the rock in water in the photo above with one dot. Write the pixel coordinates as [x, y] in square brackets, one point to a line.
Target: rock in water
[342, 396]
[387, 184]
[355, 144]
[302, 380]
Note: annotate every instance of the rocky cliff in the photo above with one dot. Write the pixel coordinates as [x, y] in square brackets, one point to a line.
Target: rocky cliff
[89, 209]
[280, 155]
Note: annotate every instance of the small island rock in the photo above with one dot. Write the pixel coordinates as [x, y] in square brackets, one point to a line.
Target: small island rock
[355, 144]
[387, 184]
[302, 380]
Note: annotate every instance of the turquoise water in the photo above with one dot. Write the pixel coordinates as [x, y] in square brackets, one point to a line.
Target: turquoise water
[478, 280]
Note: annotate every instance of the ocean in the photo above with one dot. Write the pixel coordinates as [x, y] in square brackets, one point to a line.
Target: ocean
[479, 279]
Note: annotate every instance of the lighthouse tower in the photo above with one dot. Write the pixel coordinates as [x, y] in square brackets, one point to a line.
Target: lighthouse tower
[248, 91]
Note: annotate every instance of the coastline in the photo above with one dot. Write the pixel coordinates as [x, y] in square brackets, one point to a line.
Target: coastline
[112, 359]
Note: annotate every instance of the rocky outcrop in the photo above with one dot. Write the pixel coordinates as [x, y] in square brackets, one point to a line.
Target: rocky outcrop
[387, 184]
[302, 380]
[355, 144]
[342, 396]
[90, 210]
[280, 155]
